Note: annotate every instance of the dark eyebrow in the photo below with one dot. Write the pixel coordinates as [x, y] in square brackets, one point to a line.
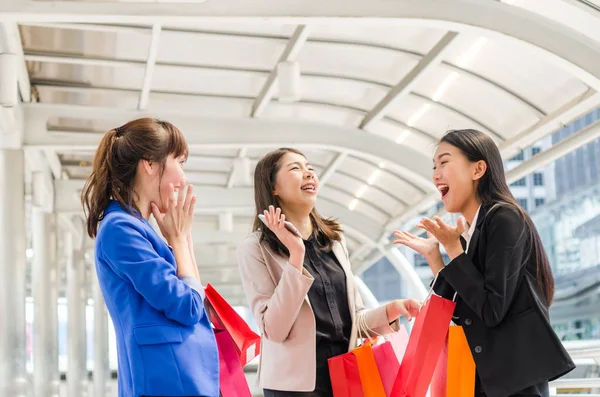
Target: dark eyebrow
[442, 155]
[298, 163]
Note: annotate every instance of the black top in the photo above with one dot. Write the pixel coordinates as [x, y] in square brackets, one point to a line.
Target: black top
[503, 312]
[329, 301]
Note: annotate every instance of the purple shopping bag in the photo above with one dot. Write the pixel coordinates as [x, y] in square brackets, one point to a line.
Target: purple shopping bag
[232, 380]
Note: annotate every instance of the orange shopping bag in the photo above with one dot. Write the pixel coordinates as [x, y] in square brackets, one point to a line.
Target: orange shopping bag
[461, 366]
[367, 368]
[455, 371]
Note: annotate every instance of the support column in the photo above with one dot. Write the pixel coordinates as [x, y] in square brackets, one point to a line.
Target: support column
[13, 375]
[76, 297]
[101, 369]
[42, 301]
[54, 281]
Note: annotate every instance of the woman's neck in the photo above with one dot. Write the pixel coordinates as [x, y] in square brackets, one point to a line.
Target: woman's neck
[471, 209]
[300, 218]
[143, 205]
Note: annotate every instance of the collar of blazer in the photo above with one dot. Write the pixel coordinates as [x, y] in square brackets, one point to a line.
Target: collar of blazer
[483, 211]
[339, 250]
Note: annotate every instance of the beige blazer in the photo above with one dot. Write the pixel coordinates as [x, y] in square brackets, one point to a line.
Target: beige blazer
[277, 295]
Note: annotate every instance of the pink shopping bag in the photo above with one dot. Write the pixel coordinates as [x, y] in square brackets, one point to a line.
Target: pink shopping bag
[232, 380]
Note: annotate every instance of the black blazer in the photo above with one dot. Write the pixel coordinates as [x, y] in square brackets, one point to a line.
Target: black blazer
[502, 311]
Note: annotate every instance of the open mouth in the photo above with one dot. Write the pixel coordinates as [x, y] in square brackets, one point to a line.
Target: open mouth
[309, 188]
[444, 189]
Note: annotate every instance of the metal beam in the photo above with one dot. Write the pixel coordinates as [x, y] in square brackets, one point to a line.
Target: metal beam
[405, 85]
[78, 87]
[290, 53]
[550, 40]
[331, 168]
[10, 41]
[559, 149]
[150, 65]
[218, 199]
[76, 59]
[234, 133]
[234, 168]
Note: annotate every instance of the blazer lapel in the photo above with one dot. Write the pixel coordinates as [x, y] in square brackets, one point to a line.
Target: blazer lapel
[475, 237]
[340, 254]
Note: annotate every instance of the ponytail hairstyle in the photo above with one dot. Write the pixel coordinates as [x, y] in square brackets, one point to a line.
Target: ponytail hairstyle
[116, 161]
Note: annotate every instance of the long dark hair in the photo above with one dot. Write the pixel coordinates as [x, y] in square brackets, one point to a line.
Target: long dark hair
[493, 189]
[325, 230]
[116, 161]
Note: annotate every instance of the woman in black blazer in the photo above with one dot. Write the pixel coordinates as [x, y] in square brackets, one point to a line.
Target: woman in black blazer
[498, 269]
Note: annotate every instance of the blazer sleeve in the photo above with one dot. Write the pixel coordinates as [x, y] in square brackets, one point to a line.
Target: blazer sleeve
[131, 255]
[491, 293]
[275, 306]
[375, 319]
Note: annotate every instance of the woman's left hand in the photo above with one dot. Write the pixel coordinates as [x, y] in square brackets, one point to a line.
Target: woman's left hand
[448, 236]
[408, 308]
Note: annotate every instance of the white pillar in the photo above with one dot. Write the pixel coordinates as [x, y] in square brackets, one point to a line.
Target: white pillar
[76, 330]
[12, 273]
[54, 281]
[42, 347]
[101, 370]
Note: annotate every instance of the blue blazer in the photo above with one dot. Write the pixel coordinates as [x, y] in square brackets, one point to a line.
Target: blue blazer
[165, 342]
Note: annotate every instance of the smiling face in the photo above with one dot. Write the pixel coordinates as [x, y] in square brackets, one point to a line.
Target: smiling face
[296, 184]
[456, 177]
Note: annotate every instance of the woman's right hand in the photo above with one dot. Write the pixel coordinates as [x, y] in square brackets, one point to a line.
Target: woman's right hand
[427, 247]
[176, 223]
[275, 222]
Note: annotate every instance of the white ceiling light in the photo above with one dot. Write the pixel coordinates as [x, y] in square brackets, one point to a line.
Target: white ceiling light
[353, 204]
[373, 176]
[402, 137]
[288, 80]
[361, 191]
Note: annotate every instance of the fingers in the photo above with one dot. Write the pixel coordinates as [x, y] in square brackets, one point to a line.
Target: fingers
[192, 207]
[414, 306]
[403, 310]
[181, 193]
[156, 212]
[172, 198]
[188, 198]
[461, 224]
[281, 222]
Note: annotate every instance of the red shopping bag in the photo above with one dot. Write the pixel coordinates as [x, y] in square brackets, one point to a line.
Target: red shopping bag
[425, 344]
[439, 381]
[223, 316]
[232, 381]
[387, 365]
[345, 376]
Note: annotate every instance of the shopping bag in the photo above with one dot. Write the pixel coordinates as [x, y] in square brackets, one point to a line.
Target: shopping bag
[345, 376]
[399, 341]
[461, 366]
[387, 365]
[439, 381]
[223, 316]
[370, 379]
[425, 344]
[232, 380]
[455, 371]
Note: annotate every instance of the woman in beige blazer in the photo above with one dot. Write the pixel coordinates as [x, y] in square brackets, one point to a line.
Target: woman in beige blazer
[301, 290]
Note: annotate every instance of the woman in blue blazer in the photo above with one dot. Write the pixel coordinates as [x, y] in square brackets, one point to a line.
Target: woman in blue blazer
[165, 342]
